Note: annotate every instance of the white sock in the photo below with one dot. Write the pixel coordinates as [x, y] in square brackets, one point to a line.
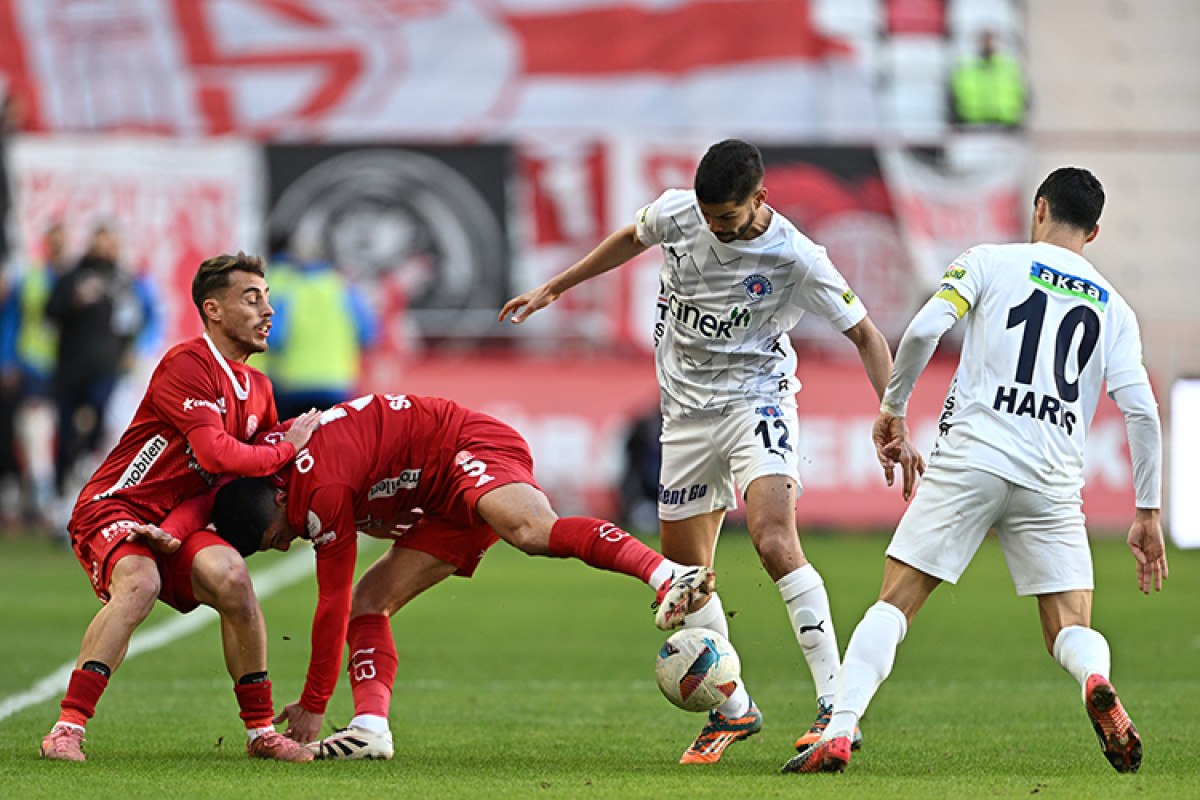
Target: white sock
[69, 725]
[712, 616]
[803, 593]
[869, 659]
[663, 572]
[372, 723]
[254, 733]
[1082, 652]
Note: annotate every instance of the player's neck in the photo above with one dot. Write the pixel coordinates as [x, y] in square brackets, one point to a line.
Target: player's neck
[230, 350]
[1063, 236]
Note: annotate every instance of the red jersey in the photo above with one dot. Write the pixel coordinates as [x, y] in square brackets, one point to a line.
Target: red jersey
[193, 423]
[369, 464]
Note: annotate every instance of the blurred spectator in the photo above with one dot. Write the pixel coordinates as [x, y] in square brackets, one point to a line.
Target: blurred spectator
[988, 90]
[27, 353]
[10, 120]
[639, 479]
[98, 312]
[321, 327]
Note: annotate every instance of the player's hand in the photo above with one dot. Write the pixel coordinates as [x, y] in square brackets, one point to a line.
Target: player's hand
[522, 306]
[302, 726]
[155, 537]
[302, 428]
[892, 447]
[1145, 539]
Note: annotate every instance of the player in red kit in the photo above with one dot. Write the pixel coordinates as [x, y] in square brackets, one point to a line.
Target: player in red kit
[202, 407]
[372, 462]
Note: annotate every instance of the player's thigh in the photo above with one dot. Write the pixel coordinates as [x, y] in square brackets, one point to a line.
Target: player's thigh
[944, 525]
[760, 442]
[695, 479]
[1045, 544]
[397, 577]
[207, 569]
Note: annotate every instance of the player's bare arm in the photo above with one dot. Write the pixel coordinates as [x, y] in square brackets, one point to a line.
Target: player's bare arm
[874, 351]
[1145, 539]
[619, 247]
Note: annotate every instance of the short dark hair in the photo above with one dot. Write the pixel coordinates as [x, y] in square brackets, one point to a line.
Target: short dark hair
[730, 171]
[212, 275]
[242, 511]
[1075, 197]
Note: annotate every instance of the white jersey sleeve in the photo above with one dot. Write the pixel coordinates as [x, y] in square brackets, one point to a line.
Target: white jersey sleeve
[825, 292]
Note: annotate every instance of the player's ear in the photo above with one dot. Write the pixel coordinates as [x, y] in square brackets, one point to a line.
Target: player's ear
[212, 309]
[280, 498]
[1095, 232]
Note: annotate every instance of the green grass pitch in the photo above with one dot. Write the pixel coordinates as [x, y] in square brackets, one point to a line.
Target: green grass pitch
[535, 679]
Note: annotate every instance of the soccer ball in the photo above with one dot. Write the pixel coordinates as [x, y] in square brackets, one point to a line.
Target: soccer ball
[697, 669]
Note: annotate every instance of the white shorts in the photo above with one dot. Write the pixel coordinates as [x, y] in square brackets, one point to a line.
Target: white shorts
[1043, 538]
[703, 458]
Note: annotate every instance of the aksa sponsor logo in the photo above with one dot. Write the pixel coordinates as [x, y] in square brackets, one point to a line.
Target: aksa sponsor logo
[138, 467]
[769, 411]
[1070, 285]
[388, 487]
[192, 403]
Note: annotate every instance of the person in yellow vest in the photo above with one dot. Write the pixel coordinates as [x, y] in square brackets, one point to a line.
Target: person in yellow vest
[988, 90]
[321, 327]
[27, 352]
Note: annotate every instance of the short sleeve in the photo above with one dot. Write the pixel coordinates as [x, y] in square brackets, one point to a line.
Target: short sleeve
[825, 292]
[185, 393]
[648, 232]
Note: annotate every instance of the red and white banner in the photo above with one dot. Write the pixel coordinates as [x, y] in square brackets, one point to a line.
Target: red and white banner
[434, 70]
[946, 208]
[171, 204]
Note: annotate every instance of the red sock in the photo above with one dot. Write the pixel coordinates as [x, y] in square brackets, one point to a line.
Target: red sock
[372, 663]
[602, 545]
[83, 692]
[254, 700]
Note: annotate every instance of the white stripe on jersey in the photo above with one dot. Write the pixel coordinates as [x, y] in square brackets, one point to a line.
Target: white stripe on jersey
[725, 310]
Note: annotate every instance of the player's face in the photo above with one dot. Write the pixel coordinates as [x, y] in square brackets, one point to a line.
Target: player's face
[244, 312]
[731, 221]
[278, 536]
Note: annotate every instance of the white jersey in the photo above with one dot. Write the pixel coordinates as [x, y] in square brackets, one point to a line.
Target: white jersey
[724, 310]
[1044, 332]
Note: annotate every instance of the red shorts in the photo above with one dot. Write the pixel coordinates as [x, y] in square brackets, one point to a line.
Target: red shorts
[461, 545]
[490, 454]
[100, 543]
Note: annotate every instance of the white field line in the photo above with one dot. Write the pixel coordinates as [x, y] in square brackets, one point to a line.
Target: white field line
[292, 568]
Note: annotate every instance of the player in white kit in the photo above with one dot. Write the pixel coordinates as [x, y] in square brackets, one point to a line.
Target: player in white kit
[1044, 332]
[736, 277]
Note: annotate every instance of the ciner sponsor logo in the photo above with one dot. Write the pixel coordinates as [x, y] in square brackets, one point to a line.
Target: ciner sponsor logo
[138, 467]
[705, 324]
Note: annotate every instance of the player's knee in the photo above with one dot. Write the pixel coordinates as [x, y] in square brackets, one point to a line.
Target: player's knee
[136, 590]
[779, 551]
[224, 583]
